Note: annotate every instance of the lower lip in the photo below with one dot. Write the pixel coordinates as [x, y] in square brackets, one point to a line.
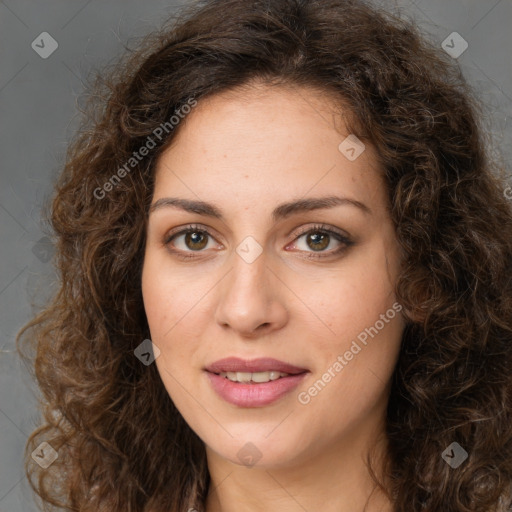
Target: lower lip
[253, 395]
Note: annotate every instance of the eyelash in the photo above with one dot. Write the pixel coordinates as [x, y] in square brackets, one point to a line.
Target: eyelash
[317, 228]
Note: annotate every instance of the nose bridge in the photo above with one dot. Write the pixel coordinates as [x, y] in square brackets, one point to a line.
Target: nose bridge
[250, 268]
[248, 298]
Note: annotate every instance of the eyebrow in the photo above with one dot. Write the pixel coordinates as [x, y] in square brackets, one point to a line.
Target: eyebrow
[280, 212]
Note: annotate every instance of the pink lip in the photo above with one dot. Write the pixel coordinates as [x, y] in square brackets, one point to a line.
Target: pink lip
[262, 364]
[254, 394]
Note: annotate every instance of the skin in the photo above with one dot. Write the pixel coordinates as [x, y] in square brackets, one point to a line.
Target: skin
[247, 151]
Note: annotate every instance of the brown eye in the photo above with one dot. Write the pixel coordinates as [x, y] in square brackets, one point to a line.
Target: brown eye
[196, 240]
[188, 240]
[319, 241]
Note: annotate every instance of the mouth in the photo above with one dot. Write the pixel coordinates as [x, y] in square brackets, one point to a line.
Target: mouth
[253, 383]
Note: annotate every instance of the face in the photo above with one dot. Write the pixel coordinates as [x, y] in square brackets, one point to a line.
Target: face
[270, 243]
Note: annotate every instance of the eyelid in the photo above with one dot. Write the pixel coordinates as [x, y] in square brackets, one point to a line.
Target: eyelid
[321, 227]
[181, 230]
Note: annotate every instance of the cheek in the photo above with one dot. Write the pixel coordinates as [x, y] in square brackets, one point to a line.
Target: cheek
[175, 303]
[357, 355]
[171, 298]
[352, 299]
[166, 302]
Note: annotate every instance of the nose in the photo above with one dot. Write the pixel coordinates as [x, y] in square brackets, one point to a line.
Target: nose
[251, 299]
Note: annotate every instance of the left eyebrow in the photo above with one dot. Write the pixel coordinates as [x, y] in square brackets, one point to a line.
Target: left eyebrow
[282, 211]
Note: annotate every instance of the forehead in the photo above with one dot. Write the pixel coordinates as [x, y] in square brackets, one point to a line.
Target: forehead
[260, 142]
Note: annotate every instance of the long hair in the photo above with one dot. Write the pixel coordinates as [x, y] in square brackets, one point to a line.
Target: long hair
[121, 443]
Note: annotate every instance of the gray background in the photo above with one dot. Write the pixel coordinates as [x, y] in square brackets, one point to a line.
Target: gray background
[38, 112]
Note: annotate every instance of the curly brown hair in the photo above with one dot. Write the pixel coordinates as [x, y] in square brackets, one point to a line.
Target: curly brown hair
[122, 445]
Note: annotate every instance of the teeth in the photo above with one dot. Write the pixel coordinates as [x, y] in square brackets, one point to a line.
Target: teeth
[257, 377]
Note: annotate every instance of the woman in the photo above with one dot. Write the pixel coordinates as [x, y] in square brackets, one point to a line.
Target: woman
[285, 276]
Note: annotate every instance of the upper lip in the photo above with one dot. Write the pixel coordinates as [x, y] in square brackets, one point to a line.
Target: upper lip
[262, 364]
